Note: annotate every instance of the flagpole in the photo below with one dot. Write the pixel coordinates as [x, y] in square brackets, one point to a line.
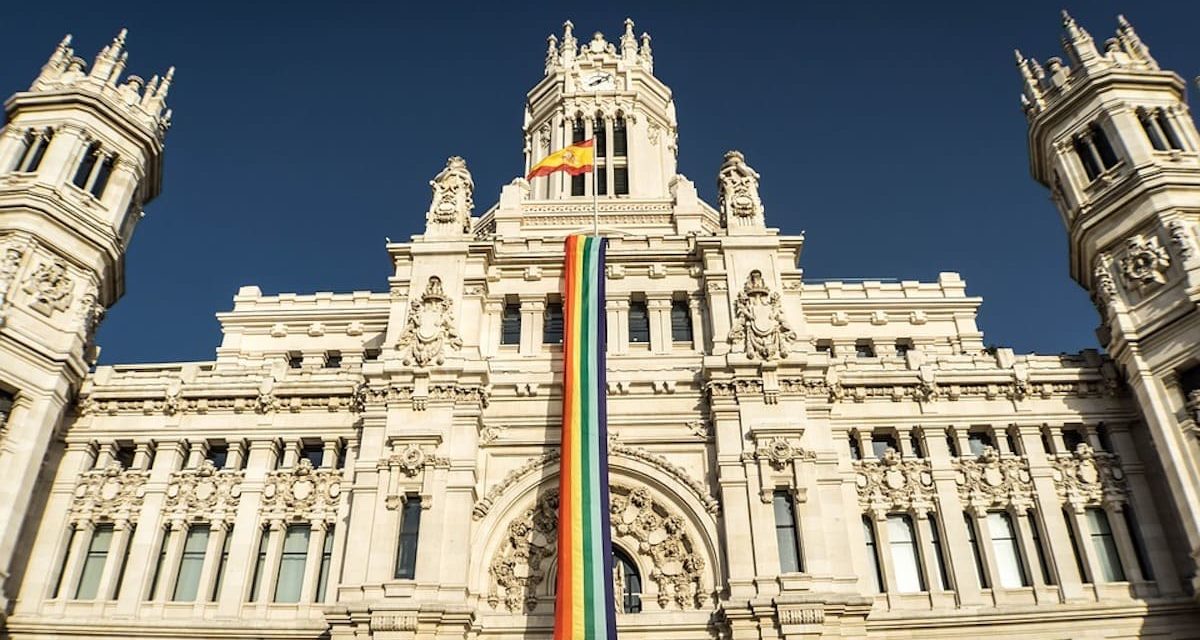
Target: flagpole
[595, 176]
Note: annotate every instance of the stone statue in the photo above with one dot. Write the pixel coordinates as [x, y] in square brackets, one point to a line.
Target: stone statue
[453, 193]
[737, 193]
[759, 326]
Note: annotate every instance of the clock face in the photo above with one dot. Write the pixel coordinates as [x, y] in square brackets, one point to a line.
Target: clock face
[598, 81]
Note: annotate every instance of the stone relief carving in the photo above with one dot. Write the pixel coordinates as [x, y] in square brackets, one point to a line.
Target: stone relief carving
[760, 329]
[1086, 477]
[1144, 262]
[111, 492]
[429, 329]
[301, 493]
[50, 285]
[992, 481]
[806, 615]
[779, 452]
[1182, 238]
[453, 197]
[394, 622]
[204, 492]
[1104, 284]
[651, 530]
[737, 192]
[894, 484]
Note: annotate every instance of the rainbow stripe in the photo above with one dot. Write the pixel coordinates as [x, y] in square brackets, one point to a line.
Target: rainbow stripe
[584, 606]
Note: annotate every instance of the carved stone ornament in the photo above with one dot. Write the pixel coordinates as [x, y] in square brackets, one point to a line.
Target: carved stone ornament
[111, 492]
[737, 192]
[50, 286]
[1089, 478]
[1182, 238]
[760, 329]
[1104, 286]
[429, 329]
[10, 263]
[991, 481]
[302, 493]
[1144, 262]
[453, 198]
[204, 493]
[649, 529]
[893, 483]
[779, 452]
[411, 460]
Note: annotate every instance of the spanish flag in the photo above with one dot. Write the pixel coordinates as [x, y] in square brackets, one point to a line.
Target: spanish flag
[575, 160]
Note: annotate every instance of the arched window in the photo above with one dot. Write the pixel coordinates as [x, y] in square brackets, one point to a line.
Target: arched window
[577, 135]
[628, 583]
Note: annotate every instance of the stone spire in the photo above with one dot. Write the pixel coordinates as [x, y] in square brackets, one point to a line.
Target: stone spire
[629, 42]
[1078, 43]
[1133, 45]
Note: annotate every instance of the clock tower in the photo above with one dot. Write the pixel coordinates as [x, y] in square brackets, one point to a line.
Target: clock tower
[607, 91]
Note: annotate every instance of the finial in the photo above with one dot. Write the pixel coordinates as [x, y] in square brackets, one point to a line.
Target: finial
[1020, 58]
[120, 39]
[66, 41]
[629, 27]
[1123, 22]
[568, 28]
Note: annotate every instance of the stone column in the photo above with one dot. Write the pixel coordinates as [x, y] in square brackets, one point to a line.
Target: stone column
[12, 148]
[236, 455]
[983, 538]
[697, 324]
[659, 309]
[74, 564]
[735, 500]
[116, 557]
[1083, 531]
[532, 312]
[1031, 554]
[143, 454]
[217, 531]
[196, 453]
[883, 548]
[165, 588]
[329, 453]
[929, 555]
[246, 528]
[960, 556]
[312, 560]
[1057, 539]
[489, 338]
[1145, 514]
[270, 572]
[147, 540]
[1125, 549]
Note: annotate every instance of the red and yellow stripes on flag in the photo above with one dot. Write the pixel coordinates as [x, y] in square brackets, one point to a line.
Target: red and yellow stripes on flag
[576, 159]
[584, 605]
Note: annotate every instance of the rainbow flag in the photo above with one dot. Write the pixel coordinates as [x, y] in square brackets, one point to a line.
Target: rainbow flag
[584, 606]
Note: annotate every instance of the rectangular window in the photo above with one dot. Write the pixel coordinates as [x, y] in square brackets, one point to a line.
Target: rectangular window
[222, 562]
[313, 452]
[600, 133]
[102, 175]
[952, 444]
[621, 181]
[938, 553]
[333, 359]
[1011, 441]
[639, 322]
[326, 558]
[918, 446]
[864, 349]
[291, 563]
[881, 442]
[1043, 554]
[218, 455]
[903, 346]
[1105, 546]
[124, 454]
[260, 564]
[872, 554]
[825, 347]
[1105, 440]
[973, 539]
[410, 531]
[124, 562]
[681, 322]
[855, 448]
[906, 561]
[62, 566]
[510, 324]
[602, 180]
[1108, 157]
[1074, 535]
[158, 564]
[978, 441]
[93, 562]
[1139, 543]
[620, 140]
[577, 184]
[552, 323]
[1072, 438]
[187, 582]
[785, 533]
[1007, 550]
[86, 164]
[1160, 117]
[295, 360]
[36, 143]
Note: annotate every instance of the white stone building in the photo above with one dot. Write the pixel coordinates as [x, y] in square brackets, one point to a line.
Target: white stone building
[790, 459]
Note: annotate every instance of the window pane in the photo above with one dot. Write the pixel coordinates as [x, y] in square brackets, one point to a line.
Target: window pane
[619, 139]
[326, 557]
[510, 325]
[221, 564]
[973, 539]
[102, 176]
[601, 180]
[938, 553]
[314, 453]
[905, 559]
[63, 565]
[785, 533]
[158, 565]
[410, 529]
[880, 443]
[872, 554]
[291, 563]
[1105, 546]
[1038, 547]
[639, 322]
[1006, 549]
[260, 564]
[218, 454]
[630, 582]
[85, 166]
[188, 579]
[124, 562]
[681, 322]
[1139, 543]
[621, 181]
[1100, 139]
[577, 184]
[978, 440]
[864, 349]
[552, 323]
[93, 563]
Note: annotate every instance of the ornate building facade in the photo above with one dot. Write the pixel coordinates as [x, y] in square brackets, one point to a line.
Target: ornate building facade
[789, 459]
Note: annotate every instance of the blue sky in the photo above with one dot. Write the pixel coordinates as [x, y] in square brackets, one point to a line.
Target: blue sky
[305, 133]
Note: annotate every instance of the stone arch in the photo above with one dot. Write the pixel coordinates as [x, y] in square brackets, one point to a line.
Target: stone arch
[673, 544]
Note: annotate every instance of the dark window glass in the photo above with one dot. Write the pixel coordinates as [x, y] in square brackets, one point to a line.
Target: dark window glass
[333, 360]
[939, 553]
[124, 455]
[631, 582]
[222, 562]
[826, 347]
[855, 448]
[620, 143]
[314, 453]
[35, 151]
[1074, 535]
[326, 559]
[86, 164]
[6, 405]
[510, 324]
[218, 455]
[873, 553]
[1072, 438]
[864, 349]
[903, 347]
[1100, 140]
[980, 570]
[621, 181]
[1046, 442]
[577, 184]
[577, 132]
[602, 180]
[260, 563]
[1139, 543]
[371, 354]
[1084, 152]
[601, 138]
[410, 530]
[102, 175]
[1168, 130]
[681, 322]
[978, 440]
[290, 579]
[1103, 437]
[785, 533]
[639, 322]
[1039, 548]
[881, 442]
[295, 360]
[952, 444]
[552, 323]
[1012, 443]
[1147, 121]
[918, 448]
